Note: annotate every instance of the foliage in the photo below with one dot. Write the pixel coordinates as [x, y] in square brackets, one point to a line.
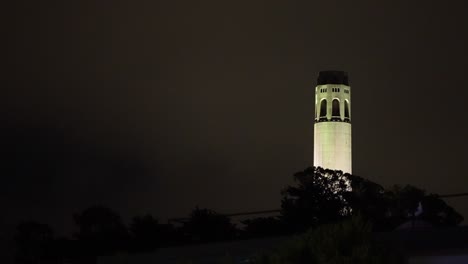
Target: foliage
[388, 209]
[318, 198]
[32, 240]
[102, 230]
[348, 241]
[369, 199]
[206, 225]
[325, 196]
[434, 210]
[148, 234]
[263, 226]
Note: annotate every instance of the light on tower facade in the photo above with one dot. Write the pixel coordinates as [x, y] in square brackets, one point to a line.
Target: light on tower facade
[332, 128]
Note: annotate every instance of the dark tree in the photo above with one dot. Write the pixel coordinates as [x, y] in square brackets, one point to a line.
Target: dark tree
[205, 225]
[102, 230]
[263, 226]
[324, 196]
[349, 241]
[409, 203]
[370, 200]
[317, 198]
[33, 242]
[437, 212]
[149, 234]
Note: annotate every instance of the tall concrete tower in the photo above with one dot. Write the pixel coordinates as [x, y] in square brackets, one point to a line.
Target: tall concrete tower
[332, 128]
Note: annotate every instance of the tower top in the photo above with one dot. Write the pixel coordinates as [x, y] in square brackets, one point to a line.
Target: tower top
[332, 77]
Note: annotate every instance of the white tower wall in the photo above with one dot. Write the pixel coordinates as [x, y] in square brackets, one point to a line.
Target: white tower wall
[333, 146]
[332, 129]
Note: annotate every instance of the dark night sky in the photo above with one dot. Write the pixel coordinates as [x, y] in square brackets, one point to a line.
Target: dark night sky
[151, 107]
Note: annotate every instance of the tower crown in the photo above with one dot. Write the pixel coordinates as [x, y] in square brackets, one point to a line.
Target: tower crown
[332, 77]
[333, 97]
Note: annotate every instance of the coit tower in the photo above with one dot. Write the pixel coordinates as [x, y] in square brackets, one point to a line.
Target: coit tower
[332, 128]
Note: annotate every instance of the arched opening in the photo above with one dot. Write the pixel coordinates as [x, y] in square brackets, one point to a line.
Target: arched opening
[323, 108]
[346, 109]
[335, 108]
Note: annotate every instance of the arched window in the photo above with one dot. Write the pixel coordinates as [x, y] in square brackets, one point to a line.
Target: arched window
[335, 108]
[323, 108]
[346, 109]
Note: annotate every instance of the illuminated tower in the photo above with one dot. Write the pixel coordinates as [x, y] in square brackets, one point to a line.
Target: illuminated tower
[332, 128]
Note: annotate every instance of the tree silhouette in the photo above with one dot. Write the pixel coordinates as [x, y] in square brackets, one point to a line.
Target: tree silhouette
[102, 230]
[318, 198]
[348, 241]
[371, 200]
[409, 202]
[325, 196]
[149, 234]
[263, 226]
[33, 241]
[205, 225]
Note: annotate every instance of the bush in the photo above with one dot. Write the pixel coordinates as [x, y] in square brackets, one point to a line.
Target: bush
[349, 241]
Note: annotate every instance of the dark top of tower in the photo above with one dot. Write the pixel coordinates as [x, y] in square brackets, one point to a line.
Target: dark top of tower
[332, 77]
